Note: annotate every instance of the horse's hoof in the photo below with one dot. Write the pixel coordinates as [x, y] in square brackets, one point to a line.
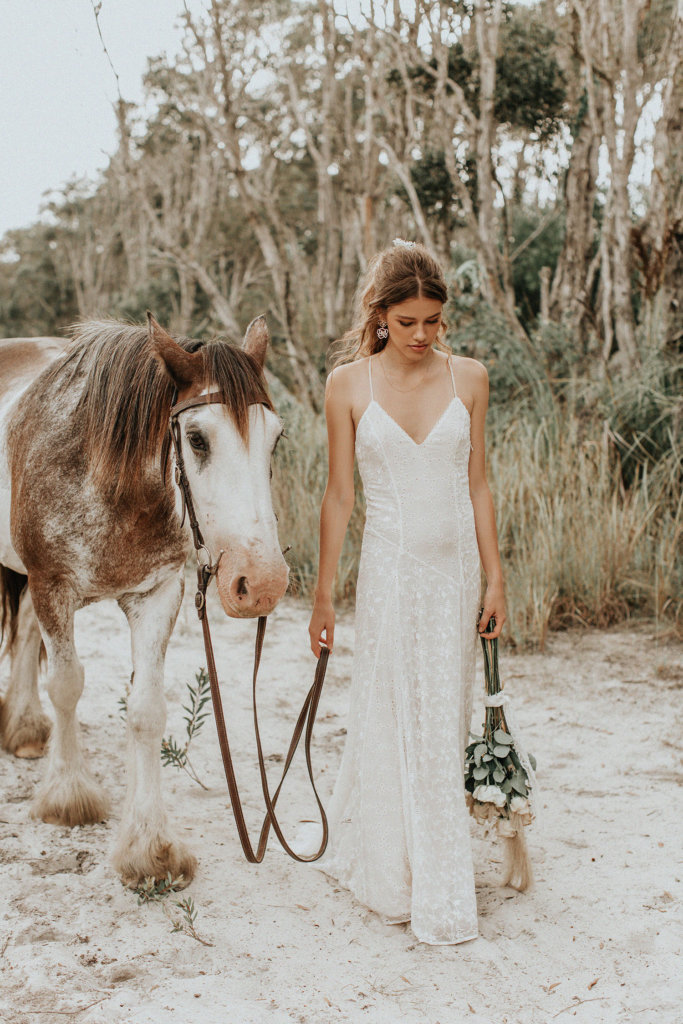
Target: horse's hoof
[157, 859]
[25, 736]
[30, 750]
[74, 801]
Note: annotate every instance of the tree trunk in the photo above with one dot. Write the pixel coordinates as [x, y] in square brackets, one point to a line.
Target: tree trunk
[656, 237]
[570, 292]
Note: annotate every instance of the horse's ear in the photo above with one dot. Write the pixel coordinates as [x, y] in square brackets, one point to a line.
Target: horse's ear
[256, 340]
[181, 366]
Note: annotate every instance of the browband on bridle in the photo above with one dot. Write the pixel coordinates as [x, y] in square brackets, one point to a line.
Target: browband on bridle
[205, 570]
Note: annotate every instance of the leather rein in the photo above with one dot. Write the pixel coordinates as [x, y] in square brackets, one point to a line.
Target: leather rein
[205, 571]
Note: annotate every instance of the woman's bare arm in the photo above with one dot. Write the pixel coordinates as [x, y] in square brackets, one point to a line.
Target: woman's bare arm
[337, 505]
[482, 503]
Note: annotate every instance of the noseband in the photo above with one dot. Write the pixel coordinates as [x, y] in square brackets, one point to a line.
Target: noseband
[306, 719]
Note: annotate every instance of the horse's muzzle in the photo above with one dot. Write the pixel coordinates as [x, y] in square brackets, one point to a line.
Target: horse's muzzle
[250, 590]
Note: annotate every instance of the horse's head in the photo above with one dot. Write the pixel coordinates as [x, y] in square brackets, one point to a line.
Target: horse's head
[227, 449]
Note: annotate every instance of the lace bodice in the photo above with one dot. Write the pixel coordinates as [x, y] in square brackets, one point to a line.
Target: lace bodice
[415, 493]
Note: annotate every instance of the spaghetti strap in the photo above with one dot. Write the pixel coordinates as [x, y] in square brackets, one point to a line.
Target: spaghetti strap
[372, 397]
[450, 367]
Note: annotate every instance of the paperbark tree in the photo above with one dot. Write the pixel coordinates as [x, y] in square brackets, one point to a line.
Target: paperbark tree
[458, 117]
[570, 297]
[239, 124]
[658, 237]
[614, 87]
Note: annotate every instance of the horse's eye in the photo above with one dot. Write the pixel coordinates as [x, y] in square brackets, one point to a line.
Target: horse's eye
[197, 441]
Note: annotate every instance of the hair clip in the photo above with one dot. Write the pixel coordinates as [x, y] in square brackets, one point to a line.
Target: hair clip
[402, 242]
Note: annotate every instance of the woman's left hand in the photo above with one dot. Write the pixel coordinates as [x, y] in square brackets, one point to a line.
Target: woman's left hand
[494, 606]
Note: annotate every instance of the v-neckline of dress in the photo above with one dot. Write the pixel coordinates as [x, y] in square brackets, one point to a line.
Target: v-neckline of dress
[418, 444]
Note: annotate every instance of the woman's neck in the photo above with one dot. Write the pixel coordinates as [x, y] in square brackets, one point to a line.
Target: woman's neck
[403, 366]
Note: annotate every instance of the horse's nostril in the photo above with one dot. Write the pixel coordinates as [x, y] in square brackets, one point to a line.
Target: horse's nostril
[242, 589]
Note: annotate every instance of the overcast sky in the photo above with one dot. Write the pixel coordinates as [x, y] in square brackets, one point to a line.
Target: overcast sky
[57, 88]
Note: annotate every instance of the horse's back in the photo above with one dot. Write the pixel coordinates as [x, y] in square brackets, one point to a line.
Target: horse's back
[22, 359]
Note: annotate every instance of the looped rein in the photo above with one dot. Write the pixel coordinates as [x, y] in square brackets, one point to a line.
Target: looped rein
[306, 719]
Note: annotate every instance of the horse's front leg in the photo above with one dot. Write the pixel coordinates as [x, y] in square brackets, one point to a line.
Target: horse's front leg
[67, 794]
[147, 846]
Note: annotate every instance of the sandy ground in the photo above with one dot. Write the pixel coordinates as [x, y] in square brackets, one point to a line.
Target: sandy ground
[596, 940]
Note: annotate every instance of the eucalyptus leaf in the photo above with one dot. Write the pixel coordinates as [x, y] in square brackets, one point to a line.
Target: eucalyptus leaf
[518, 784]
[498, 775]
[481, 772]
[502, 737]
[506, 786]
[501, 751]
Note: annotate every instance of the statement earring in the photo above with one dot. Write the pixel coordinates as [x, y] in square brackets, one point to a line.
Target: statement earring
[382, 330]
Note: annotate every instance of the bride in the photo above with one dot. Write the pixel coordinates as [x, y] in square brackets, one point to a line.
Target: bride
[413, 416]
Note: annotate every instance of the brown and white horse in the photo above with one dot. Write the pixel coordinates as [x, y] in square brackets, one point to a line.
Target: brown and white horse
[89, 510]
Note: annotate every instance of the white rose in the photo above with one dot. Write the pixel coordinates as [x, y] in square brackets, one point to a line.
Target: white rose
[519, 805]
[489, 795]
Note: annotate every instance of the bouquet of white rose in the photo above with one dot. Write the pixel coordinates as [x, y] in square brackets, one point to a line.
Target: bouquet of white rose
[499, 775]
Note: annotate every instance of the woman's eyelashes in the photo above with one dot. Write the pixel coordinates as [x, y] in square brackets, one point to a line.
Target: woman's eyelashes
[411, 323]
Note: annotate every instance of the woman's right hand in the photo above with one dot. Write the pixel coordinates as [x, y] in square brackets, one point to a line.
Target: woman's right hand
[321, 626]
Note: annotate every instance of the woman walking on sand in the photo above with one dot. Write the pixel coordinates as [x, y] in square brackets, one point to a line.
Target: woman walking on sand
[413, 415]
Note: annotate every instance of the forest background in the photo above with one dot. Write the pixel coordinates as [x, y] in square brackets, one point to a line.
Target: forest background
[291, 139]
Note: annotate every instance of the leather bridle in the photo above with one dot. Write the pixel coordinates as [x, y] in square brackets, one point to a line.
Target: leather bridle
[306, 719]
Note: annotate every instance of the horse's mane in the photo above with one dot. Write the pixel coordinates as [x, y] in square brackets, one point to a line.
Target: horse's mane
[126, 397]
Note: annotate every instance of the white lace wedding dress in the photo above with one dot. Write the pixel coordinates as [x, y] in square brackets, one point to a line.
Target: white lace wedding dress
[399, 826]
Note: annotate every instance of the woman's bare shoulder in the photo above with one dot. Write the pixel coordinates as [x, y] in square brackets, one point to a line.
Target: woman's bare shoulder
[471, 370]
[345, 378]
[472, 382]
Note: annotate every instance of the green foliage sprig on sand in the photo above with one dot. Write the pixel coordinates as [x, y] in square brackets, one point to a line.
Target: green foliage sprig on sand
[158, 891]
[172, 753]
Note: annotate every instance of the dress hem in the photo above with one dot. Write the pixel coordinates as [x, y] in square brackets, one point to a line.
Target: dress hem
[385, 919]
[447, 942]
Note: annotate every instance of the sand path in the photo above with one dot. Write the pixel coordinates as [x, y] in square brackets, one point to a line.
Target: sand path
[596, 940]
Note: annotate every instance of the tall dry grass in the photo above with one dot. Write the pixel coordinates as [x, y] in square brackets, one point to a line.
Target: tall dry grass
[578, 547]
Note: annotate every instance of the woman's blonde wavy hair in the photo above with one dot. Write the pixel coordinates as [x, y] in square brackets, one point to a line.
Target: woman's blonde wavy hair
[402, 271]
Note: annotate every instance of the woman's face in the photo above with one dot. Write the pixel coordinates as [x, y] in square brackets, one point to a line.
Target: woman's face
[413, 326]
